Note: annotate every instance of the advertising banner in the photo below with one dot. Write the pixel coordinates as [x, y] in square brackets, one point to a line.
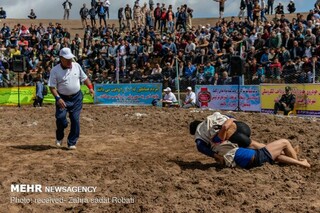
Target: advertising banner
[307, 98]
[87, 98]
[9, 96]
[229, 97]
[127, 94]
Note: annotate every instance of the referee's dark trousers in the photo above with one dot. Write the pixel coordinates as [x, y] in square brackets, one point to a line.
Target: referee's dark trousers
[74, 106]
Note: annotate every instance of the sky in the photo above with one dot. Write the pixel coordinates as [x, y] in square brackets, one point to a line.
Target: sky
[52, 9]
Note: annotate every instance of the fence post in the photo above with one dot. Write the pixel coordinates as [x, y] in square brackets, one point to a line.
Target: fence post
[314, 70]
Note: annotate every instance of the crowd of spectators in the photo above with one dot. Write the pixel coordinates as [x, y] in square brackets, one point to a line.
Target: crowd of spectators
[158, 43]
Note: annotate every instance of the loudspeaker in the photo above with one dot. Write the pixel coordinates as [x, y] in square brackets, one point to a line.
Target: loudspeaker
[19, 63]
[237, 66]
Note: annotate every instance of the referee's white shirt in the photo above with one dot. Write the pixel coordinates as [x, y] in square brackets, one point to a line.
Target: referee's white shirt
[67, 81]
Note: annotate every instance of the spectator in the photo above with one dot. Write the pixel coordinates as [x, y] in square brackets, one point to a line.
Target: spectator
[291, 7]
[270, 7]
[39, 92]
[32, 15]
[101, 14]
[243, 6]
[279, 9]
[263, 10]
[67, 7]
[190, 100]
[121, 19]
[225, 79]
[93, 13]
[169, 98]
[106, 5]
[157, 16]
[221, 7]
[84, 12]
[156, 74]
[128, 16]
[256, 12]
[3, 14]
[137, 15]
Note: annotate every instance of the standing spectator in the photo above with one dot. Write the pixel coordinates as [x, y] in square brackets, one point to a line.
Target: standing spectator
[32, 15]
[256, 12]
[263, 10]
[93, 13]
[120, 18]
[221, 7]
[106, 5]
[128, 15]
[67, 7]
[93, 3]
[243, 6]
[190, 100]
[163, 20]
[270, 7]
[151, 3]
[157, 16]
[39, 93]
[291, 7]
[3, 14]
[137, 15]
[64, 83]
[249, 10]
[101, 14]
[189, 16]
[84, 12]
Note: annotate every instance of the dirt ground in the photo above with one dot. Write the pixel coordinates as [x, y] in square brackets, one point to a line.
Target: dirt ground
[142, 159]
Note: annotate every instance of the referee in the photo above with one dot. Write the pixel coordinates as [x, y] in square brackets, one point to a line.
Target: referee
[64, 84]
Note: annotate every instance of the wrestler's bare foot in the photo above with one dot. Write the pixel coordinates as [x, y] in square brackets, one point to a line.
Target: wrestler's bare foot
[305, 163]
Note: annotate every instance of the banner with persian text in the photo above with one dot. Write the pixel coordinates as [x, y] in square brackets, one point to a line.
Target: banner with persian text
[307, 98]
[127, 94]
[229, 97]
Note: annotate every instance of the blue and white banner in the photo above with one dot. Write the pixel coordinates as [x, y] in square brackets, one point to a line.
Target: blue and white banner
[127, 94]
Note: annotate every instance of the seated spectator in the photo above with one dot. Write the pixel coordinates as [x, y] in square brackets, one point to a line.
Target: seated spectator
[3, 14]
[259, 76]
[276, 69]
[168, 75]
[27, 79]
[209, 72]
[225, 79]
[169, 98]
[286, 102]
[32, 15]
[289, 71]
[190, 100]
[156, 74]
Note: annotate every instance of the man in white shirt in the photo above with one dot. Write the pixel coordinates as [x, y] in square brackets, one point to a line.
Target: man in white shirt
[190, 100]
[64, 84]
[106, 5]
[169, 98]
